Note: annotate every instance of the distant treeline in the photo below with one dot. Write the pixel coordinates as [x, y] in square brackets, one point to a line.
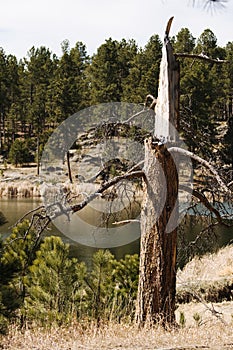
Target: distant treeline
[41, 90]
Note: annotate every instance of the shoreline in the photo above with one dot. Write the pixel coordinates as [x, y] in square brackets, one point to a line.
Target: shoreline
[19, 183]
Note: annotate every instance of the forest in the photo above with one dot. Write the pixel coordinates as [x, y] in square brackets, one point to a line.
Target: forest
[40, 282]
[41, 90]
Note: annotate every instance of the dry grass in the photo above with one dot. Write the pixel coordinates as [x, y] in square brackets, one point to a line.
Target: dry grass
[209, 278]
[210, 267]
[214, 335]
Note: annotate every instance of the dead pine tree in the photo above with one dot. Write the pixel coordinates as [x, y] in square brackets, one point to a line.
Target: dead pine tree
[159, 214]
[157, 276]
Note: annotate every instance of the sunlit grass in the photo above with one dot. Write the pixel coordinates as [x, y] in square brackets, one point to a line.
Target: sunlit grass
[215, 334]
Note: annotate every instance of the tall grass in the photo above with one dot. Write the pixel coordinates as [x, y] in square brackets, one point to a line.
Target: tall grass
[214, 335]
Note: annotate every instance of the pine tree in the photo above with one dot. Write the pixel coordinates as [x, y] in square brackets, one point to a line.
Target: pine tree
[4, 103]
[201, 93]
[109, 68]
[55, 285]
[143, 76]
[100, 285]
[228, 137]
[69, 90]
[18, 251]
[125, 279]
[19, 152]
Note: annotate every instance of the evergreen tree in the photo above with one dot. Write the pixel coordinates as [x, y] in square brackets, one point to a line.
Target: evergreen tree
[108, 70]
[100, 287]
[184, 41]
[69, 90]
[125, 279]
[18, 252]
[4, 103]
[144, 74]
[228, 137]
[13, 98]
[202, 93]
[207, 43]
[55, 284]
[39, 70]
[19, 152]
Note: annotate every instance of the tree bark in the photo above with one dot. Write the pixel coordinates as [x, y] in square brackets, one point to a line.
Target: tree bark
[157, 275]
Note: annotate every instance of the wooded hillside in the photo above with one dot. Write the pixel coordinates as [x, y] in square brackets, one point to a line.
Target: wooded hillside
[41, 90]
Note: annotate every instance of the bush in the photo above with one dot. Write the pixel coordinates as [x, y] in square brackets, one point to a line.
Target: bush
[55, 285]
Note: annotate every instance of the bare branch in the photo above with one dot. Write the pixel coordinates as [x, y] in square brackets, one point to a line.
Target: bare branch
[125, 221]
[203, 162]
[153, 103]
[104, 187]
[28, 213]
[206, 203]
[200, 57]
[134, 116]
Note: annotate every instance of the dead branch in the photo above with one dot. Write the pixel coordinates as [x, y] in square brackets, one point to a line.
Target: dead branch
[169, 23]
[125, 222]
[200, 57]
[104, 187]
[28, 213]
[134, 116]
[206, 203]
[153, 103]
[205, 163]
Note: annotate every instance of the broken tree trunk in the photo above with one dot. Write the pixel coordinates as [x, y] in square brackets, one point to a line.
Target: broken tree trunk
[159, 215]
[157, 278]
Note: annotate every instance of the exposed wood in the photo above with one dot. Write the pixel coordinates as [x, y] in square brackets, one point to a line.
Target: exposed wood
[167, 106]
[169, 23]
[153, 103]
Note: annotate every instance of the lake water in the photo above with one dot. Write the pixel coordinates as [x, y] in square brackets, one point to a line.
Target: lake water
[13, 209]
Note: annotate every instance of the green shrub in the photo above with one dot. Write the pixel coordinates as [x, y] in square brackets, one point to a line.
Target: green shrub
[55, 285]
[18, 251]
[182, 320]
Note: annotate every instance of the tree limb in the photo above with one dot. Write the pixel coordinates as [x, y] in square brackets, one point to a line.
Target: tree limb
[153, 103]
[206, 203]
[230, 184]
[134, 116]
[104, 187]
[203, 162]
[125, 222]
[200, 57]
